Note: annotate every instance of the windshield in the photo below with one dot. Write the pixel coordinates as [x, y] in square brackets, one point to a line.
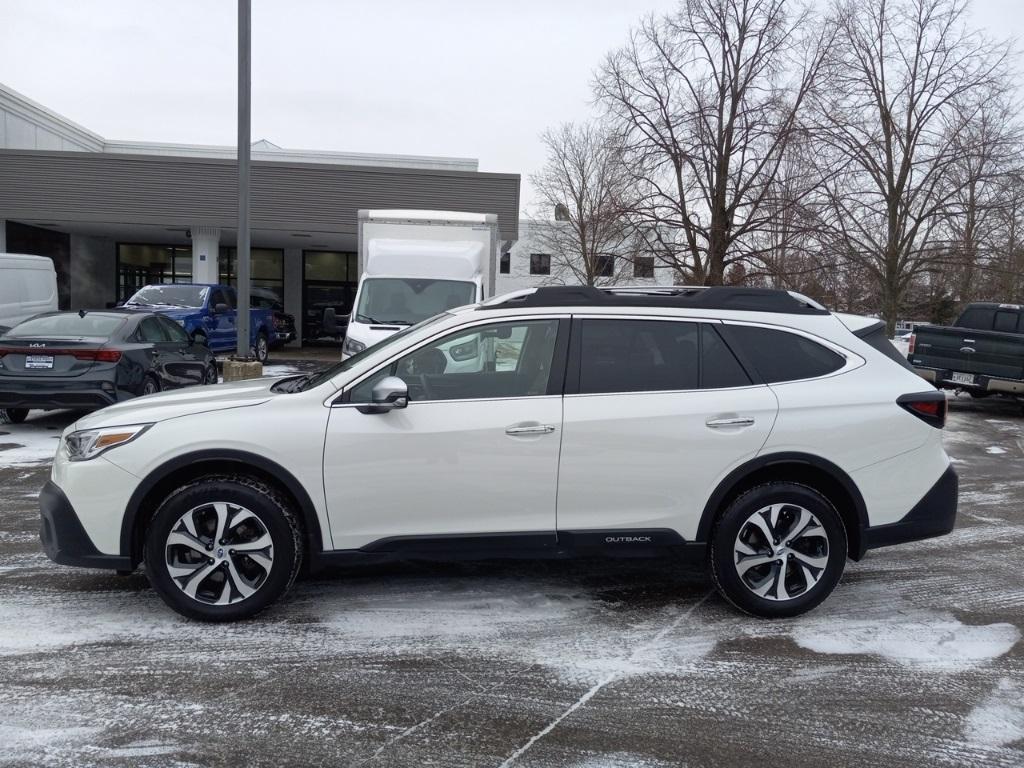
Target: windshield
[408, 300]
[69, 325]
[346, 364]
[170, 296]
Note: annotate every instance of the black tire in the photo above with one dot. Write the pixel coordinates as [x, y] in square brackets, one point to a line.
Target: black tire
[262, 349]
[978, 395]
[13, 415]
[725, 554]
[275, 517]
[211, 376]
[150, 385]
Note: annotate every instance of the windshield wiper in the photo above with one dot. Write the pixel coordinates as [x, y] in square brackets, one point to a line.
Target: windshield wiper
[395, 322]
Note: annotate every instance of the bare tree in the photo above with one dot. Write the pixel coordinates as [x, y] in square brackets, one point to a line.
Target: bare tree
[584, 180]
[897, 119]
[707, 100]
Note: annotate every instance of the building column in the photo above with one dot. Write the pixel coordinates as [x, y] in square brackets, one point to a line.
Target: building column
[3, 236]
[205, 254]
[293, 276]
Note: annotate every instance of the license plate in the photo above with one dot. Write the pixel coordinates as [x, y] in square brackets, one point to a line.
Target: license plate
[963, 378]
[39, 361]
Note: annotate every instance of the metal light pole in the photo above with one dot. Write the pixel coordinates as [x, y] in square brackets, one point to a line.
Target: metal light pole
[242, 255]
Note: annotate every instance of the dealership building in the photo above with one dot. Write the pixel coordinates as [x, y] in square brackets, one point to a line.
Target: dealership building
[117, 215]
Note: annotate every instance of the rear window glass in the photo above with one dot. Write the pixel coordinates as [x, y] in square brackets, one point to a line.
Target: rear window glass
[637, 356]
[68, 325]
[782, 356]
[719, 367]
[977, 318]
[878, 339]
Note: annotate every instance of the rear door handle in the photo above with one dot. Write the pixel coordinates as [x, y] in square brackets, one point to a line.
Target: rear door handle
[529, 429]
[739, 421]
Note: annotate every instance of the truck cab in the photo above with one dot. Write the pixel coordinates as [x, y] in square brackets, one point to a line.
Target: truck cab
[417, 264]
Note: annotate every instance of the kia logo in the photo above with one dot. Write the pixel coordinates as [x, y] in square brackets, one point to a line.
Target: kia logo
[37, 344]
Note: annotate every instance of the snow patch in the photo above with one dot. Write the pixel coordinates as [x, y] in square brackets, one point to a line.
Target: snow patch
[274, 371]
[915, 639]
[995, 449]
[999, 719]
[25, 445]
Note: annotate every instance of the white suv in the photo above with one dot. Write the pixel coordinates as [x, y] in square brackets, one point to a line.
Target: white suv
[748, 429]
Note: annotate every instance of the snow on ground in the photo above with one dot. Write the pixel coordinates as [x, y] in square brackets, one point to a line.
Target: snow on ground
[999, 719]
[28, 444]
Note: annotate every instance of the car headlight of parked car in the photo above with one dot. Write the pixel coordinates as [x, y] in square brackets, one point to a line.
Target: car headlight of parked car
[89, 443]
[352, 347]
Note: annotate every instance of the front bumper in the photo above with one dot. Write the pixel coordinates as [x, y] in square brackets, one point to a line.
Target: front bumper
[74, 393]
[934, 515]
[65, 540]
[943, 379]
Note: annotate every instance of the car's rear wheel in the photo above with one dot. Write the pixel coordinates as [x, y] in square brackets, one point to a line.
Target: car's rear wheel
[150, 385]
[223, 548]
[13, 415]
[211, 376]
[778, 550]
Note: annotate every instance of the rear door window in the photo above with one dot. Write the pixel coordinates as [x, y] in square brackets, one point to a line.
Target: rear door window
[719, 367]
[637, 356]
[782, 356]
[151, 331]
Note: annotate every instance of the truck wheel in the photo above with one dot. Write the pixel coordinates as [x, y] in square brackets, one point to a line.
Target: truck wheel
[13, 415]
[262, 350]
[150, 386]
[778, 550]
[223, 548]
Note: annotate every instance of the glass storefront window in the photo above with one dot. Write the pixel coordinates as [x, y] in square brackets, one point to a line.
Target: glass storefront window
[329, 281]
[331, 266]
[267, 266]
[139, 265]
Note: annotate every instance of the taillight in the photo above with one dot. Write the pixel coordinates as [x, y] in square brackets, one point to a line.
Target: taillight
[94, 355]
[913, 343]
[930, 407]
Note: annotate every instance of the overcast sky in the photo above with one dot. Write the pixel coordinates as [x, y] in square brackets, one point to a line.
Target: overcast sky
[433, 77]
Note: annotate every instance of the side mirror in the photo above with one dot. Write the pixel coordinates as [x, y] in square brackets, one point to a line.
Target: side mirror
[220, 309]
[387, 394]
[330, 323]
[201, 340]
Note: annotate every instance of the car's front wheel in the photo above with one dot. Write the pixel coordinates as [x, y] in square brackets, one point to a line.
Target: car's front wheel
[223, 548]
[778, 550]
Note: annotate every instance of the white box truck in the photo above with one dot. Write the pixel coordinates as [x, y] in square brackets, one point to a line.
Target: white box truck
[417, 264]
[28, 287]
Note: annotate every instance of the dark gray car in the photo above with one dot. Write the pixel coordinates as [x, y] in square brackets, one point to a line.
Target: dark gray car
[88, 360]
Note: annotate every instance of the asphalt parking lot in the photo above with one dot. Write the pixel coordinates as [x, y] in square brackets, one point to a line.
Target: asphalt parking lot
[915, 660]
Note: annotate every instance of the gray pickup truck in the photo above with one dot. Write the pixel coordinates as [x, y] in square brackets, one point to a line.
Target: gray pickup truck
[982, 353]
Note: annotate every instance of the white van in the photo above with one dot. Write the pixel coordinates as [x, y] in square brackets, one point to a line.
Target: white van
[28, 286]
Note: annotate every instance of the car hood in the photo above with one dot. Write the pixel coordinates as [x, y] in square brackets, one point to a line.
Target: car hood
[185, 402]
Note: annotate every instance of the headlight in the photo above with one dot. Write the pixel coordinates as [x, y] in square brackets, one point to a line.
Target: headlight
[352, 347]
[90, 443]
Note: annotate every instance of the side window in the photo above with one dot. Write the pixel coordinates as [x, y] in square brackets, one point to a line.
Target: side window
[782, 356]
[151, 331]
[173, 331]
[1006, 322]
[978, 318]
[502, 360]
[637, 356]
[719, 367]
[231, 298]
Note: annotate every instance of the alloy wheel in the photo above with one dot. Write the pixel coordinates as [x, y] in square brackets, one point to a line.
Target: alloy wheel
[219, 553]
[781, 552]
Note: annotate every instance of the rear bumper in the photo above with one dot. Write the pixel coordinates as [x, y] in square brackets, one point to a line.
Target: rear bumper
[943, 379]
[74, 393]
[934, 515]
[65, 540]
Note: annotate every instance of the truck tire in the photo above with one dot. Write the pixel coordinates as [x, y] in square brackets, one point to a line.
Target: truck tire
[262, 349]
[13, 415]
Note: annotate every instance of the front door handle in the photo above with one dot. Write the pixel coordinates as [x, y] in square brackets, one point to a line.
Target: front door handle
[529, 429]
[739, 421]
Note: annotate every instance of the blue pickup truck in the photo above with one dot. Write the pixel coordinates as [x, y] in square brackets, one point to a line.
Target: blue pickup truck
[208, 313]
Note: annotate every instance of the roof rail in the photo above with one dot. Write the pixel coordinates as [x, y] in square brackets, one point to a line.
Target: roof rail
[679, 296]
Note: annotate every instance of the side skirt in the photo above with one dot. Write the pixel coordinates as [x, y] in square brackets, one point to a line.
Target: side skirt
[611, 543]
